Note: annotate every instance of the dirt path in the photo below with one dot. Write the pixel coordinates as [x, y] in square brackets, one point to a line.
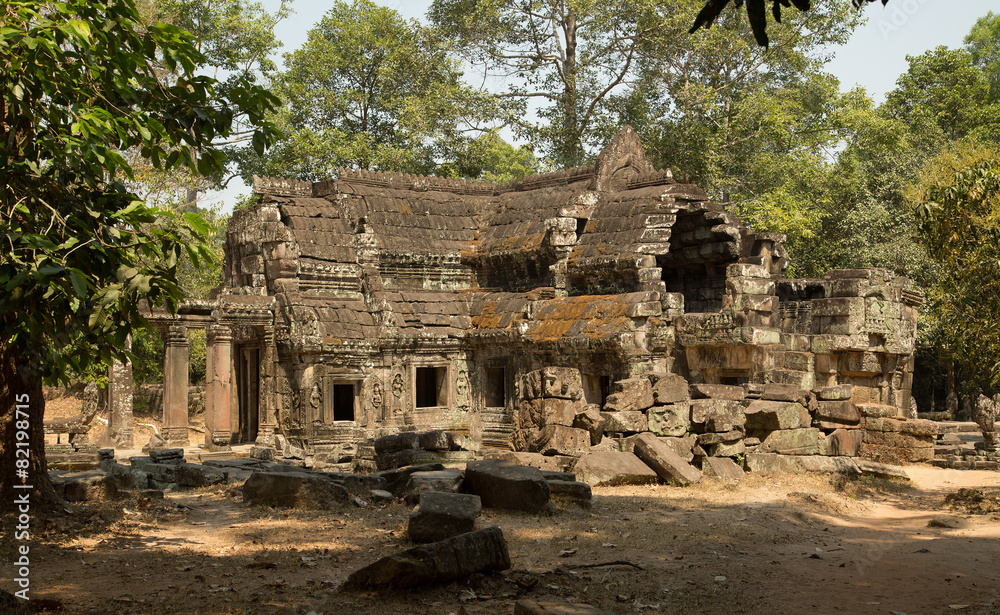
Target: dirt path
[796, 544]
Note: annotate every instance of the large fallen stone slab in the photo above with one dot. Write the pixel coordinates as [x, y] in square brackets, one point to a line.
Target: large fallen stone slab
[767, 416]
[443, 515]
[613, 468]
[358, 484]
[294, 490]
[803, 441]
[442, 481]
[396, 479]
[193, 475]
[552, 463]
[571, 492]
[722, 469]
[667, 464]
[90, 485]
[502, 484]
[530, 607]
[484, 550]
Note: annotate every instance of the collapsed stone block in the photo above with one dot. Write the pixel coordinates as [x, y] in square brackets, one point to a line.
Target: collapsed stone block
[784, 392]
[530, 607]
[397, 442]
[294, 490]
[668, 388]
[630, 394]
[632, 421]
[803, 441]
[443, 515]
[766, 416]
[718, 391]
[396, 480]
[562, 382]
[571, 492]
[195, 475]
[842, 442]
[434, 441]
[592, 422]
[717, 415]
[561, 440]
[840, 392]
[838, 411]
[721, 468]
[484, 550]
[89, 485]
[613, 468]
[667, 464]
[669, 420]
[501, 484]
[441, 481]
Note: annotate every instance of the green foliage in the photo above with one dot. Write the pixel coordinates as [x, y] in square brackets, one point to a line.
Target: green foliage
[490, 158]
[83, 83]
[957, 205]
[148, 352]
[370, 90]
[983, 43]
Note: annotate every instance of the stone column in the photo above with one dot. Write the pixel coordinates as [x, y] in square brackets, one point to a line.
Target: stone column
[175, 386]
[120, 404]
[218, 434]
[266, 391]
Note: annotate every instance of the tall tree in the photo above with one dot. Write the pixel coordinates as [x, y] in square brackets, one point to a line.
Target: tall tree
[957, 205]
[82, 84]
[983, 43]
[369, 89]
[564, 58]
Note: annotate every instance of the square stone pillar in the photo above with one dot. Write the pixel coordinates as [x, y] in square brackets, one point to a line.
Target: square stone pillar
[120, 388]
[268, 422]
[218, 434]
[175, 386]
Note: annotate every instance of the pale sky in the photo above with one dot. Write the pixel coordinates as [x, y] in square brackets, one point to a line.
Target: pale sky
[874, 57]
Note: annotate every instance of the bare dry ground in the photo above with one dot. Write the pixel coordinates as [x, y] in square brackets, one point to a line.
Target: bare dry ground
[795, 544]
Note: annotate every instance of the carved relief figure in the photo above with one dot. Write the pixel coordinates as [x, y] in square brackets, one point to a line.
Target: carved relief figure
[316, 401]
[461, 390]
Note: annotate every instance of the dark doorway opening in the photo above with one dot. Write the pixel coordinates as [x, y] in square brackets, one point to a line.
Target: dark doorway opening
[496, 387]
[248, 392]
[343, 402]
[430, 382]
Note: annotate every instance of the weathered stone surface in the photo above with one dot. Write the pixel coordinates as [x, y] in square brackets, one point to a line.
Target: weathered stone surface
[915, 427]
[630, 394]
[530, 607]
[401, 459]
[571, 492]
[502, 484]
[358, 484]
[784, 392]
[396, 480]
[792, 442]
[545, 463]
[668, 388]
[667, 464]
[683, 446]
[561, 440]
[727, 449]
[442, 481]
[718, 391]
[294, 489]
[838, 411]
[167, 455]
[434, 441]
[717, 415]
[484, 550]
[878, 411]
[670, 420]
[842, 442]
[197, 475]
[896, 439]
[397, 442]
[632, 421]
[766, 416]
[841, 392]
[613, 468]
[768, 464]
[721, 468]
[884, 470]
[90, 485]
[562, 382]
[443, 515]
[561, 411]
[592, 422]
[705, 439]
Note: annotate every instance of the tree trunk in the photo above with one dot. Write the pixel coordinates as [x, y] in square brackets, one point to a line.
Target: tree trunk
[22, 409]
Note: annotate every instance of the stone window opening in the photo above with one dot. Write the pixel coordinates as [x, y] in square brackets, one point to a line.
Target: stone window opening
[344, 397]
[431, 386]
[496, 387]
[596, 388]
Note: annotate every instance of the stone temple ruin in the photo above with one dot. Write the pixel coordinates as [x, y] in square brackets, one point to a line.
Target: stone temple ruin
[551, 318]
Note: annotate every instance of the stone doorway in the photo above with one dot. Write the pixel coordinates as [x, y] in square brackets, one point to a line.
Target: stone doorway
[247, 391]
